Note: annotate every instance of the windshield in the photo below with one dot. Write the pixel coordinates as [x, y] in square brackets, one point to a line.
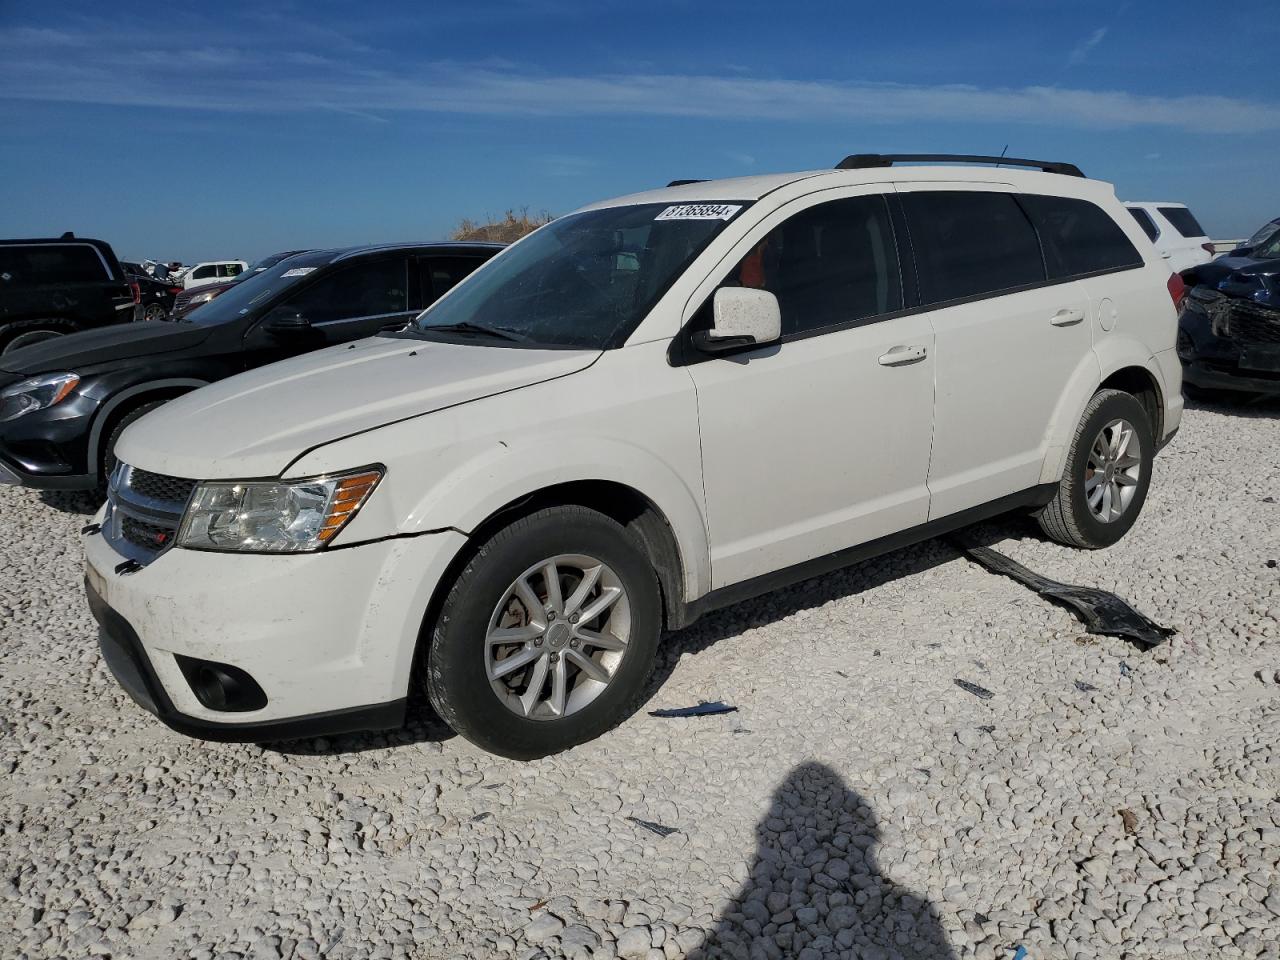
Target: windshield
[254, 291]
[1265, 233]
[1270, 250]
[585, 280]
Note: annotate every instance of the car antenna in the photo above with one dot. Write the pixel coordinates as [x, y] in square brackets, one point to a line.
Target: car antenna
[1003, 152]
[69, 235]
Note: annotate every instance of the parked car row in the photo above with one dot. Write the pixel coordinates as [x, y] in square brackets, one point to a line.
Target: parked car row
[644, 410]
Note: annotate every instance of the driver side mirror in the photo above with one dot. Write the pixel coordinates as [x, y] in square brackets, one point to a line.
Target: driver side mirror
[286, 321]
[1244, 251]
[743, 317]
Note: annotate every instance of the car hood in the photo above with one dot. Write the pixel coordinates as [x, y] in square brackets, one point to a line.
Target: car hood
[122, 341]
[257, 423]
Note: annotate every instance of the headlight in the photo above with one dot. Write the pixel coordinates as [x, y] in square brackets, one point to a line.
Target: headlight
[274, 516]
[35, 394]
[202, 297]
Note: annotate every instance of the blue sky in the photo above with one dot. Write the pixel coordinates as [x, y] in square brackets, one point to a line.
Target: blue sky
[238, 129]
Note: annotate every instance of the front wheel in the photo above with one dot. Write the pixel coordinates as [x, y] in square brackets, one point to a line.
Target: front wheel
[154, 311]
[1107, 474]
[547, 636]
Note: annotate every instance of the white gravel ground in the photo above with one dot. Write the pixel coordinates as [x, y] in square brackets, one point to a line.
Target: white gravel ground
[1104, 803]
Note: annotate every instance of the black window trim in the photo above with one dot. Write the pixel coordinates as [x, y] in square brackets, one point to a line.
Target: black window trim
[682, 352]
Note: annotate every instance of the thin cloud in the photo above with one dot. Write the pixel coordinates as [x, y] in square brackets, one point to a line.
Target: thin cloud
[1084, 47]
[219, 76]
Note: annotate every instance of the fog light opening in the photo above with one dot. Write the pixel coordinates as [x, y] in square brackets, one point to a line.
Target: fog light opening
[220, 686]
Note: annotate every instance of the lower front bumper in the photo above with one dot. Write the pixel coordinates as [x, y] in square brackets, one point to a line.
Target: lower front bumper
[329, 638]
[1217, 376]
[125, 657]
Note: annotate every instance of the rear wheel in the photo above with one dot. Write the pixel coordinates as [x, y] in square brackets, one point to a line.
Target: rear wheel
[1107, 474]
[547, 635]
[24, 335]
[154, 311]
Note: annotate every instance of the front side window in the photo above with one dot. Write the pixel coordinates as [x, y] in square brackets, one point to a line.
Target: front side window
[204, 273]
[827, 265]
[1182, 221]
[230, 270]
[970, 243]
[368, 289]
[1145, 222]
[1078, 236]
[442, 274]
[586, 280]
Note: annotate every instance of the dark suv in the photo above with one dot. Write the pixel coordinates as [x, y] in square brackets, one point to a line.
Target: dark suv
[64, 404]
[50, 287]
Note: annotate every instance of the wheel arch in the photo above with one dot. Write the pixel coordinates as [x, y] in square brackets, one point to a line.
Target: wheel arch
[128, 399]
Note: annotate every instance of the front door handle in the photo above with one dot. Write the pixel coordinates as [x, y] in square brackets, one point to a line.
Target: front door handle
[1067, 318]
[903, 354]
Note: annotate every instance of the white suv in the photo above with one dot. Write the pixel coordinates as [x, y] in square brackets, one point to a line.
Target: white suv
[646, 409]
[1175, 231]
[212, 271]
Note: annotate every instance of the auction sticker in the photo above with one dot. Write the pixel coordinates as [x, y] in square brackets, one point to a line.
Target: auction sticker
[699, 211]
[297, 272]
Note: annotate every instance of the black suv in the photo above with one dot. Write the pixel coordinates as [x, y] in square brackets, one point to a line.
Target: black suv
[64, 404]
[50, 287]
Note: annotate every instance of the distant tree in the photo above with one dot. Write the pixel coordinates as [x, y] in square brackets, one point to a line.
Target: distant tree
[509, 228]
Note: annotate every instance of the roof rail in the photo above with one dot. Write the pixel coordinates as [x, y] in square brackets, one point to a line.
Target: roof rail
[862, 161]
[681, 183]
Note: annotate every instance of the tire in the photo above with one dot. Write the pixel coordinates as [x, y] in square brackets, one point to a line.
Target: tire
[108, 458]
[459, 659]
[154, 311]
[1069, 518]
[27, 333]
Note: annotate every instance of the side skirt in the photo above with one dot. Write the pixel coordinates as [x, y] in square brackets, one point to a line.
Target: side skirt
[1036, 496]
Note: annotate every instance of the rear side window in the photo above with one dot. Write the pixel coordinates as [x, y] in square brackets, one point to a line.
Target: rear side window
[441, 274]
[50, 264]
[368, 289]
[969, 243]
[1182, 221]
[205, 272]
[1145, 222]
[827, 265]
[1078, 236]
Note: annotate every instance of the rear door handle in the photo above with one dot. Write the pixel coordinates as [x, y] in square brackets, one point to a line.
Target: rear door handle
[1067, 318]
[903, 354]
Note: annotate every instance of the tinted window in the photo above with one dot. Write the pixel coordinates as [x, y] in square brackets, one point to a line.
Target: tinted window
[204, 273]
[229, 270]
[1078, 236]
[970, 243]
[51, 263]
[1145, 222]
[1182, 221]
[827, 265]
[441, 274]
[366, 289]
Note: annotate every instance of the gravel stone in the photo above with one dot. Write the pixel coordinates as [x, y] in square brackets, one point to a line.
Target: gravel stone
[858, 804]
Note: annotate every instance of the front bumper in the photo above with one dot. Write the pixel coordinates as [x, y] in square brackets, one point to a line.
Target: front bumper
[1214, 362]
[49, 449]
[330, 637]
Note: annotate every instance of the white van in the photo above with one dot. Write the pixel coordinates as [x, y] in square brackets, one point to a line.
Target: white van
[1174, 231]
[649, 408]
[212, 271]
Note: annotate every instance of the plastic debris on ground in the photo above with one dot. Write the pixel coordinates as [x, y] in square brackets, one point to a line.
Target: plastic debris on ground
[703, 709]
[1085, 687]
[652, 827]
[982, 693]
[1102, 612]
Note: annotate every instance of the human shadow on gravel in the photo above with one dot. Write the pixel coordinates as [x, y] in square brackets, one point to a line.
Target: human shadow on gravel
[817, 591]
[815, 889]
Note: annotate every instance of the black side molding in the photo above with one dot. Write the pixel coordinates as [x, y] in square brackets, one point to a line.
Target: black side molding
[864, 161]
[1036, 496]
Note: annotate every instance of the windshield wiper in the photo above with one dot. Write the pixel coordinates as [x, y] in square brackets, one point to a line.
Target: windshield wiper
[480, 329]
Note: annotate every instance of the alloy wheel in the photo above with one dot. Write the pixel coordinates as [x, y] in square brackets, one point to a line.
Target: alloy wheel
[1113, 471]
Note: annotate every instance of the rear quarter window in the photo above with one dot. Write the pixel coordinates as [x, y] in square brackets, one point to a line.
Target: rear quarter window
[1182, 221]
[1079, 237]
[969, 243]
[1145, 222]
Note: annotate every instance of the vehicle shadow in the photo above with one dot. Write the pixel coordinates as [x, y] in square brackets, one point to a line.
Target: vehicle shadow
[421, 726]
[817, 591]
[82, 503]
[1248, 406]
[815, 888]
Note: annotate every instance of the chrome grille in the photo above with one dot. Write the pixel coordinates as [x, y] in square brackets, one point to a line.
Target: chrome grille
[144, 512]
